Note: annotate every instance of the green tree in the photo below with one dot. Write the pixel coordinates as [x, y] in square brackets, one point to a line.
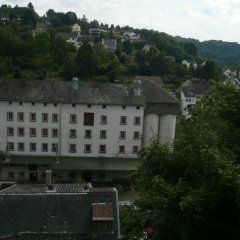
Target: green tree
[192, 190]
[86, 61]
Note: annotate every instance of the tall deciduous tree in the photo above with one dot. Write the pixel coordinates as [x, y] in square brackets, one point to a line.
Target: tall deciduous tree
[192, 191]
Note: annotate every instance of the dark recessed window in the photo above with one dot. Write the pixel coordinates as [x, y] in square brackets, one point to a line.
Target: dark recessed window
[44, 104]
[10, 102]
[104, 106]
[33, 103]
[123, 107]
[89, 105]
[55, 104]
[73, 105]
[138, 108]
[20, 103]
[88, 119]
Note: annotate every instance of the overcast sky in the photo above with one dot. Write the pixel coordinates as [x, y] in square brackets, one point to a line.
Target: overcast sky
[200, 19]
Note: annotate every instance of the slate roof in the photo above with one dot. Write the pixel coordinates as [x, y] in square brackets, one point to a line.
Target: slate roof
[27, 210]
[110, 44]
[154, 79]
[62, 91]
[195, 87]
[87, 92]
[153, 93]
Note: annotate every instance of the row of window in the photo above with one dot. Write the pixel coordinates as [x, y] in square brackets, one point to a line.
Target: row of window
[72, 133]
[55, 175]
[88, 118]
[72, 147]
[73, 105]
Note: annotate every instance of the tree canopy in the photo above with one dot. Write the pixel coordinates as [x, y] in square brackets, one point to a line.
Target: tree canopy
[192, 190]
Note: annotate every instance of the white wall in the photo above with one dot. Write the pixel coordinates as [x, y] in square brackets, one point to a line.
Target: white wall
[113, 128]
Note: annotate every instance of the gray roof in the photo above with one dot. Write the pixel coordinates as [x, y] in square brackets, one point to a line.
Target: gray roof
[62, 91]
[154, 79]
[110, 44]
[195, 87]
[153, 93]
[86, 92]
[30, 210]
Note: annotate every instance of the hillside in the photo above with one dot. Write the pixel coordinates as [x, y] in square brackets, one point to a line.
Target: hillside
[224, 53]
[38, 47]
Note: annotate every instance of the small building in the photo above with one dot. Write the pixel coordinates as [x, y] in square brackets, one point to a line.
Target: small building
[190, 92]
[59, 211]
[76, 29]
[109, 44]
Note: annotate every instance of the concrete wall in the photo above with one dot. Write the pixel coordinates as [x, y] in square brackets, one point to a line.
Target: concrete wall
[113, 128]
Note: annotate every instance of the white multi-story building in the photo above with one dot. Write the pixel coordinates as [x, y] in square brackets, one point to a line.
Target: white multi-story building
[82, 131]
[190, 92]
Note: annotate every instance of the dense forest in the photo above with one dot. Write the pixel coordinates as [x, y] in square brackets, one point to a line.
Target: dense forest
[224, 53]
[48, 55]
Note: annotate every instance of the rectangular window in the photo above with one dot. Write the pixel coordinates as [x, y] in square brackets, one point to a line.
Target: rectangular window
[121, 149]
[21, 132]
[72, 148]
[54, 132]
[103, 134]
[45, 117]
[135, 150]
[20, 147]
[10, 131]
[44, 147]
[103, 120]
[137, 121]
[32, 117]
[54, 117]
[20, 116]
[10, 116]
[135, 135]
[88, 133]
[54, 147]
[123, 120]
[72, 133]
[73, 118]
[44, 132]
[102, 149]
[87, 148]
[122, 135]
[10, 175]
[32, 132]
[33, 147]
[10, 146]
[88, 119]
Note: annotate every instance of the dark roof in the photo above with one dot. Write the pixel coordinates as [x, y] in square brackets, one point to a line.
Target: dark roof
[29, 210]
[155, 80]
[195, 87]
[110, 44]
[153, 93]
[62, 91]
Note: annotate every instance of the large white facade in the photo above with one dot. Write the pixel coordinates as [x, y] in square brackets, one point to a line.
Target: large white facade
[79, 139]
